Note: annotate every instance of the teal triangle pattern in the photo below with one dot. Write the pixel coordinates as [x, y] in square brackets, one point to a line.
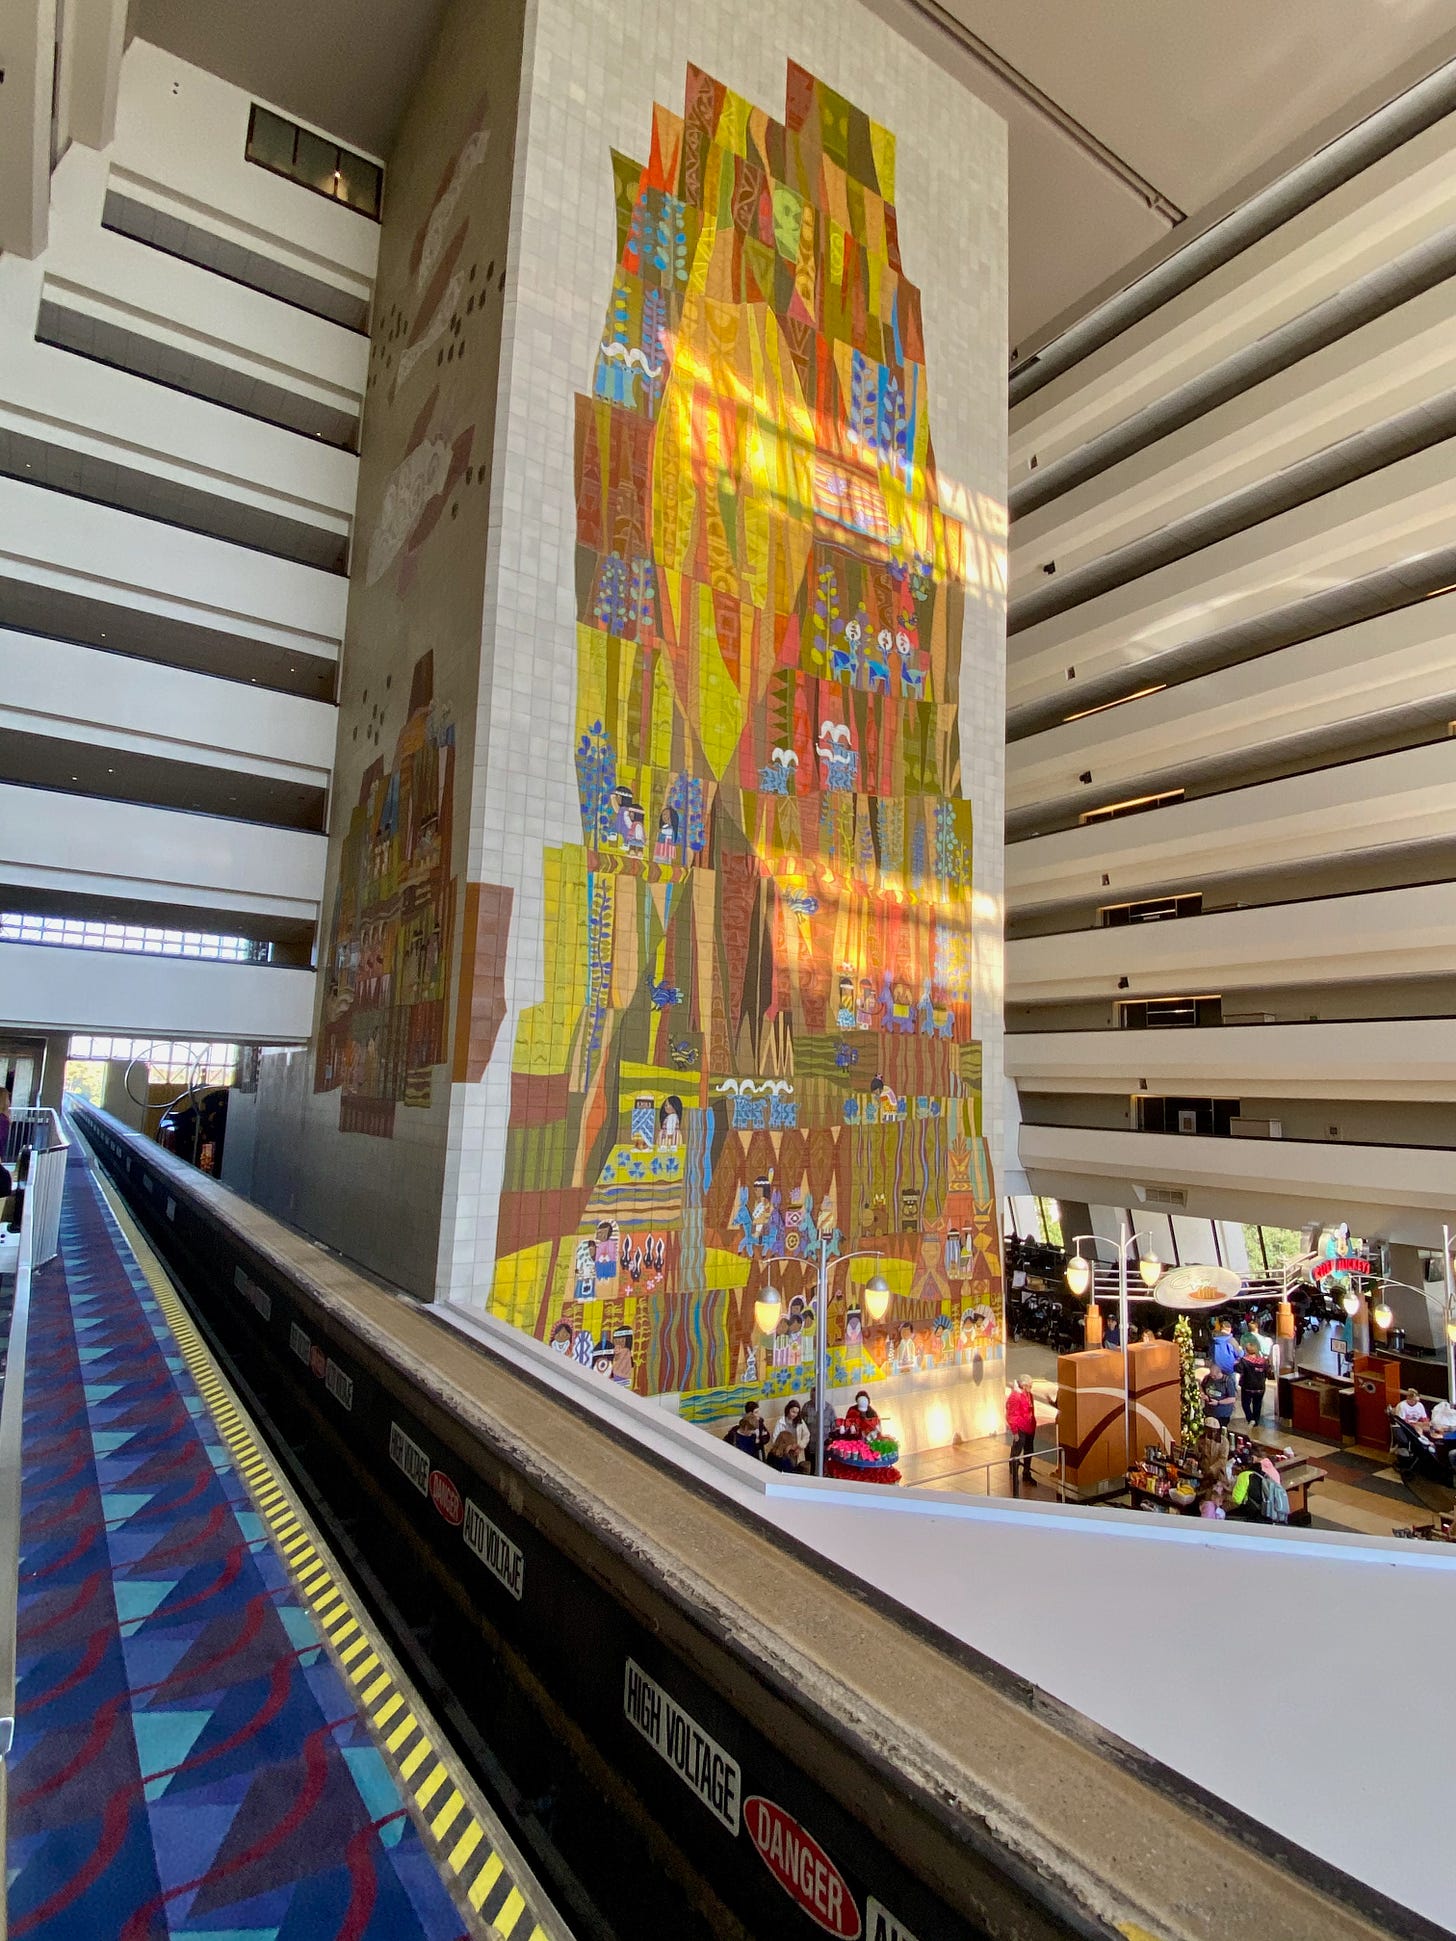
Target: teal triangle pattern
[135, 1601]
[118, 1505]
[164, 1740]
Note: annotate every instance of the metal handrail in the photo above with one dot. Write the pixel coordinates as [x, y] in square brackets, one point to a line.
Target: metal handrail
[988, 1469]
[26, 1123]
[39, 1242]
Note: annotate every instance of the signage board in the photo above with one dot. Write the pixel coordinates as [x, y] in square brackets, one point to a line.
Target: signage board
[407, 1455]
[1342, 1264]
[1191, 1288]
[801, 1867]
[881, 1925]
[446, 1498]
[503, 1559]
[698, 1760]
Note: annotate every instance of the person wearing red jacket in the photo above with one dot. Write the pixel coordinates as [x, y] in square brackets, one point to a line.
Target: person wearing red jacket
[863, 1419]
[1021, 1421]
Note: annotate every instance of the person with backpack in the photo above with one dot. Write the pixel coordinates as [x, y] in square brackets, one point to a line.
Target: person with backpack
[1258, 1496]
[1253, 1378]
[1224, 1352]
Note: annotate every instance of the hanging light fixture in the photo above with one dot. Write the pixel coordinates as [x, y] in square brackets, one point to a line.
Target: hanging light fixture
[1079, 1274]
[877, 1297]
[1151, 1269]
[1381, 1314]
[767, 1309]
[1350, 1302]
[1451, 1328]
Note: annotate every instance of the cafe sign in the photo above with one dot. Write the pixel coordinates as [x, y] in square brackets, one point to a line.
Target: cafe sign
[1342, 1264]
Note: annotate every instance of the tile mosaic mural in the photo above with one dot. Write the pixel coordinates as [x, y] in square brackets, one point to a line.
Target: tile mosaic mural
[382, 1028]
[757, 1027]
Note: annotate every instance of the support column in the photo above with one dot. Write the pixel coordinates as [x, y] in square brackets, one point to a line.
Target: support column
[53, 1069]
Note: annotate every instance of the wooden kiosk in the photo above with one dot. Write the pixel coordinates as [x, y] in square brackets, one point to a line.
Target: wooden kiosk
[1090, 1412]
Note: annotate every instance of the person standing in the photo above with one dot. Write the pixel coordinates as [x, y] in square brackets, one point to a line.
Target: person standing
[1220, 1392]
[811, 1418]
[1253, 1376]
[1021, 1422]
[1225, 1351]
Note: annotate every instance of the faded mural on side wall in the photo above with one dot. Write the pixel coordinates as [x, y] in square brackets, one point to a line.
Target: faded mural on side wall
[384, 1028]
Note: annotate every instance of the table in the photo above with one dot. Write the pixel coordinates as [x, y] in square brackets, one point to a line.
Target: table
[1299, 1478]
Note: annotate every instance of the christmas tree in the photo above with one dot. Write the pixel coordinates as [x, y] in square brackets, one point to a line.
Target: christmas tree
[1192, 1401]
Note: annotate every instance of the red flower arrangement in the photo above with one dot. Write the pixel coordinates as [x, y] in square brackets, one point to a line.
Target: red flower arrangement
[853, 1460]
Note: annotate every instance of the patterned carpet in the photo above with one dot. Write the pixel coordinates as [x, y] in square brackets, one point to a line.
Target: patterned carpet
[188, 1762]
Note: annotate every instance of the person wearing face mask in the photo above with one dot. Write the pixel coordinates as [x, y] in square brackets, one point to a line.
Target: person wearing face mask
[787, 1450]
[863, 1419]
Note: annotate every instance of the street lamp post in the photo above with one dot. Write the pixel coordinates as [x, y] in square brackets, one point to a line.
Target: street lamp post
[768, 1307]
[1079, 1279]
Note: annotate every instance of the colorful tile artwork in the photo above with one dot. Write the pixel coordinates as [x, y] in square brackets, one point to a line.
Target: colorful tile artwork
[758, 964]
[384, 1022]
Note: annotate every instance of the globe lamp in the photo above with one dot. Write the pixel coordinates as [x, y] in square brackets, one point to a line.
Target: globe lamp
[767, 1309]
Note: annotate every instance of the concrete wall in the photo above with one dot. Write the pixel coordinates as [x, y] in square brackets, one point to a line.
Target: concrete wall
[351, 1144]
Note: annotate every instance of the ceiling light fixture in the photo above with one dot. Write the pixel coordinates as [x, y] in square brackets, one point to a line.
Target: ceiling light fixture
[1121, 701]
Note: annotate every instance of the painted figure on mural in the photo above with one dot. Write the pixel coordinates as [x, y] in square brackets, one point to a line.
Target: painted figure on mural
[756, 1033]
[386, 974]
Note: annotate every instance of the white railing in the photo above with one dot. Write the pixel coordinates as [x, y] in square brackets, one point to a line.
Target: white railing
[40, 1225]
[29, 1124]
[45, 1184]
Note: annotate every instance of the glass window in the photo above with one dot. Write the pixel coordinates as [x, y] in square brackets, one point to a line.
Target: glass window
[178, 1062]
[75, 934]
[1152, 909]
[1161, 1013]
[270, 141]
[359, 183]
[314, 162]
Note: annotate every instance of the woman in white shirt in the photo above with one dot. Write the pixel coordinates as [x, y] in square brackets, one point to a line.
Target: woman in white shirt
[1443, 1419]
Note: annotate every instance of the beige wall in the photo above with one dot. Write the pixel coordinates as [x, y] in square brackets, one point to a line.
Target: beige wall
[359, 1159]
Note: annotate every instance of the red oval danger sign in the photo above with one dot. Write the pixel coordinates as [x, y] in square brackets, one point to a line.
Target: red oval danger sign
[802, 1868]
[445, 1497]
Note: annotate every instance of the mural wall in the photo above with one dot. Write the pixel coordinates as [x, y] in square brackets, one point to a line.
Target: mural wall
[759, 1023]
[382, 1030]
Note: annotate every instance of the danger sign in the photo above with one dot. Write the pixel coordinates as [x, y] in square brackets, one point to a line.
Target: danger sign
[802, 1868]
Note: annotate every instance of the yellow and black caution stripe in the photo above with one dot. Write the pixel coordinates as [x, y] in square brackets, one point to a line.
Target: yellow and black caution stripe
[470, 1846]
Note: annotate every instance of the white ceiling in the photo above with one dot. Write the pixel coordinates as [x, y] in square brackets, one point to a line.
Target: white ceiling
[347, 66]
[1194, 96]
